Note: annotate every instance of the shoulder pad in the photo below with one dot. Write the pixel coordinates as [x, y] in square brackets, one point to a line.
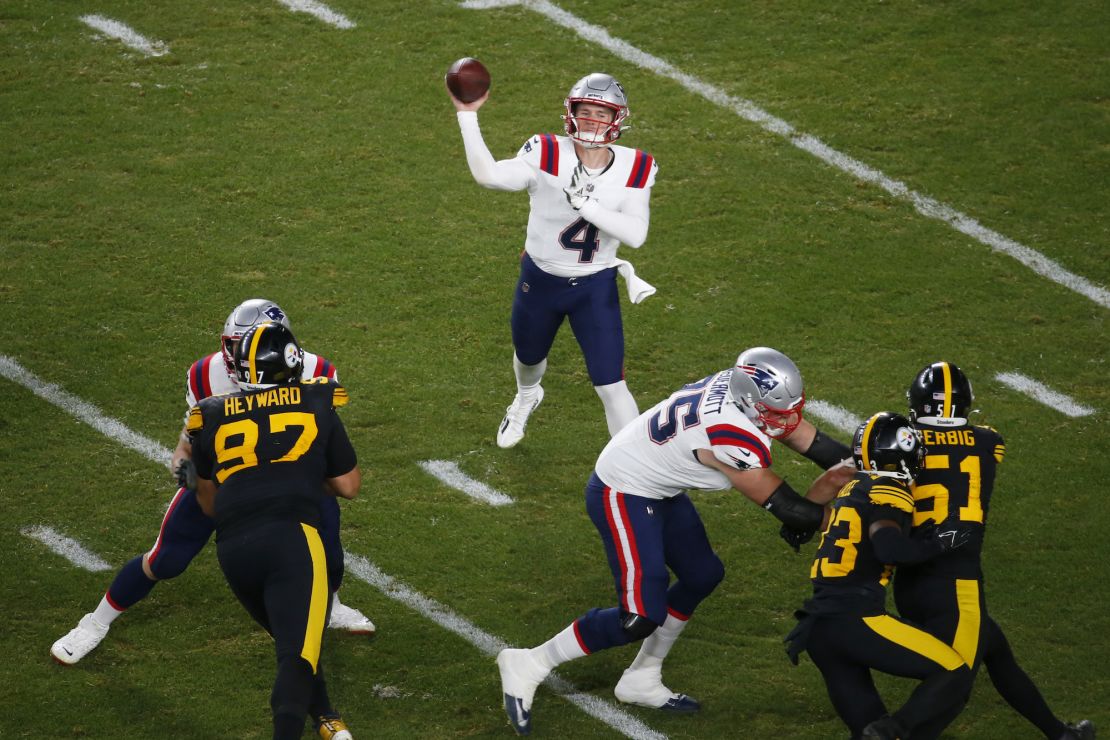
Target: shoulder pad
[884, 494]
[642, 172]
[339, 396]
[194, 422]
[542, 151]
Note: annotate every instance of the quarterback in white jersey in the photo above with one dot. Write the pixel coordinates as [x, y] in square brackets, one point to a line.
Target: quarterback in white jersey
[588, 196]
[709, 435]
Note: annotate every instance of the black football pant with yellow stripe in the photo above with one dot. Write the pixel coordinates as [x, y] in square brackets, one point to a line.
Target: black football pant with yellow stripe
[955, 610]
[846, 648]
[278, 572]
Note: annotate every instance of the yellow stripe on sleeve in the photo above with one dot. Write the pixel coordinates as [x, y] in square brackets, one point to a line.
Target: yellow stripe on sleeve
[339, 397]
[912, 638]
[885, 497]
[195, 422]
[999, 452]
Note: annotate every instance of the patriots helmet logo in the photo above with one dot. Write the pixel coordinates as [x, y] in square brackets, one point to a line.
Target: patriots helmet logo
[275, 313]
[764, 381]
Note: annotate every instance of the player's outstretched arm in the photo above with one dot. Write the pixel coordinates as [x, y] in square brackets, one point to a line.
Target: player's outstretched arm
[505, 174]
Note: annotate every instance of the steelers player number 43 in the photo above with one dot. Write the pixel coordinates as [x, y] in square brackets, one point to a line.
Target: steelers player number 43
[245, 432]
[940, 495]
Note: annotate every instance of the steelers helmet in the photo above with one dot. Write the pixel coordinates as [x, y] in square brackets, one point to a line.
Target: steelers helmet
[940, 395]
[268, 355]
[889, 446]
[247, 314]
[597, 89]
[767, 386]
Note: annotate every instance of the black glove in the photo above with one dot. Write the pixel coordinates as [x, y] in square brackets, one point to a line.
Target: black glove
[796, 537]
[186, 474]
[952, 534]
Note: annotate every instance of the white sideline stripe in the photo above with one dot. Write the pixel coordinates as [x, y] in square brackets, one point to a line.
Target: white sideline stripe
[841, 418]
[748, 110]
[490, 645]
[1041, 392]
[69, 549]
[448, 472]
[321, 11]
[86, 412]
[125, 34]
[361, 567]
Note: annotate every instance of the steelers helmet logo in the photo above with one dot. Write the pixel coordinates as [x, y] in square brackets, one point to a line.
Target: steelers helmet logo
[906, 439]
[291, 355]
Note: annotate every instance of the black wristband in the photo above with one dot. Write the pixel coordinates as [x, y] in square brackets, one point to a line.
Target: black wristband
[826, 451]
[793, 510]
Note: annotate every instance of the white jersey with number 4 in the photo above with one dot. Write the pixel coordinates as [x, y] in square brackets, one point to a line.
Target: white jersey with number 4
[655, 455]
[566, 242]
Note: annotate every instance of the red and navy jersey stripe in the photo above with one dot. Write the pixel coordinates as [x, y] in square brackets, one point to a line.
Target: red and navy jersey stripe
[549, 154]
[198, 378]
[641, 168]
[324, 369]
[727, 434]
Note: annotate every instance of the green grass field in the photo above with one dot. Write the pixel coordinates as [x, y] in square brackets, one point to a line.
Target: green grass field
[269, 153]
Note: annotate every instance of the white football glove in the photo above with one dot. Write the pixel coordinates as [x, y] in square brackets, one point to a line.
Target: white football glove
[580, 188]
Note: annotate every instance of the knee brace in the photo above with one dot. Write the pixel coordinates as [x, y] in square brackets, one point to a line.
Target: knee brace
[636, 627]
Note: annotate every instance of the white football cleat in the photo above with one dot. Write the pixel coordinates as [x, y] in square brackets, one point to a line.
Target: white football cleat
[644, 688]
[79, 641]
[350, 620]
[520, 675]
[512, 426]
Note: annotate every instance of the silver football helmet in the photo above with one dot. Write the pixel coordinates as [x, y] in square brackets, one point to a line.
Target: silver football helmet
[767, 386]
[598, 89]
[249, 313]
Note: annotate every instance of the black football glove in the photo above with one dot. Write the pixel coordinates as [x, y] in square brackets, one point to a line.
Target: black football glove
[186, 474]
[951, 535]
[796, 537]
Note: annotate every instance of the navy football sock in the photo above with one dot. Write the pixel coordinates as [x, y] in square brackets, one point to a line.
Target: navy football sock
[131, 584]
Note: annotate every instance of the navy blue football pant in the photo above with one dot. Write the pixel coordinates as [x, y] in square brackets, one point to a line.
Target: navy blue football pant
[645, 541]
[184, 533]
[592, 304]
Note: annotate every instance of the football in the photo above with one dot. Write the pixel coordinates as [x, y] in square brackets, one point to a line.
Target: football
[467, 79]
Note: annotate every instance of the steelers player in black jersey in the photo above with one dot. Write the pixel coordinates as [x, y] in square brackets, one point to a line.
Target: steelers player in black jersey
[265, 456]
[845, 626]
[945, 594]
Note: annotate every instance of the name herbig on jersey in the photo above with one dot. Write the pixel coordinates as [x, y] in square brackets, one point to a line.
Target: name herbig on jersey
[208, 376]
[654, 456]
[560, 241]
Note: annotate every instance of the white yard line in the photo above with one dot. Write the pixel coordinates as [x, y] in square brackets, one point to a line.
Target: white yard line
[126, 35]
[86, 412]
[448, 472]
[490, 645]
[841, 418]
[357, 565]
[1040, 392]
[68, 548]
[749, 111]
[319, 10]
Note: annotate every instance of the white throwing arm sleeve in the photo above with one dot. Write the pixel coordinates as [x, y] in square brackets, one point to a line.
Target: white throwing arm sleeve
[629, 225]
[506, 174]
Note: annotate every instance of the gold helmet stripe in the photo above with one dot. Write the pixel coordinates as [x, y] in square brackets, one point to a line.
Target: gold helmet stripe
[864, 439]
[948, 410]
[252, 377]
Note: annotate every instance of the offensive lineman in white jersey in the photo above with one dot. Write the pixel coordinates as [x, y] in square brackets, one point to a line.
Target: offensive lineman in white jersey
[588, 196]
[185, 529]
[710, 435]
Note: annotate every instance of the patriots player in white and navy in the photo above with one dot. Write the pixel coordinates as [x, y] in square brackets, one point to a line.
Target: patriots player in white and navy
[185, 528]
[710, 435]
[588, 196]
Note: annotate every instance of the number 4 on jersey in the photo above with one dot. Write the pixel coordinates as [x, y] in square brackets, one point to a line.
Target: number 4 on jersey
[581, 236]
